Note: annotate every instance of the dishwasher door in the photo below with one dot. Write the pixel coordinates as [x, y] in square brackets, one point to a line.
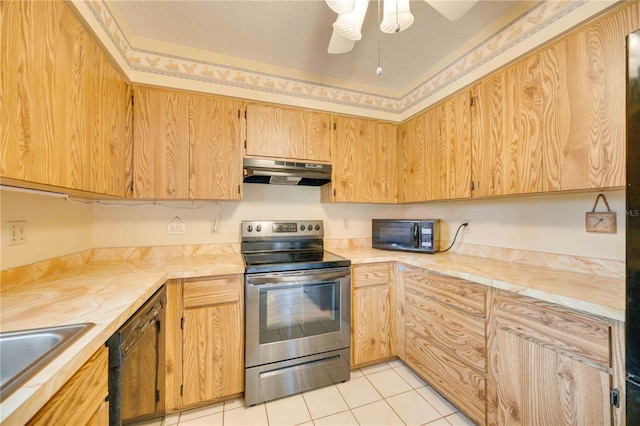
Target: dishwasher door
[136, 364]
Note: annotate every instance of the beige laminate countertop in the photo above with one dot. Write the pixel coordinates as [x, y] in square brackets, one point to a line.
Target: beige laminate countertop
[107, 293]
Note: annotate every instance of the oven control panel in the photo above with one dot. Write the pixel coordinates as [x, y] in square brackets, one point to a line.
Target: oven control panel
[282, 228]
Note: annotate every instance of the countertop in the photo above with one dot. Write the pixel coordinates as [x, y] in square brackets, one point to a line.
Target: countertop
[107, 293]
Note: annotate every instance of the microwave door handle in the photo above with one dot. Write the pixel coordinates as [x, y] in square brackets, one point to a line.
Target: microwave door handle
[416, 235]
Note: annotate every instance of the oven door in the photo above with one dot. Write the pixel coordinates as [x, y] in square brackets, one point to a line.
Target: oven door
[294, 314]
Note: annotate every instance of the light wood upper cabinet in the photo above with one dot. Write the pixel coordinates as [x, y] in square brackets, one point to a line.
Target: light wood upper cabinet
[288, 133]
[365, 162]
[450, 158]
[215, 155]
[373, 313]
[591, 91]
[414, 180]
[555, 120]
[186, 146]
[161, 144]
[68, 124]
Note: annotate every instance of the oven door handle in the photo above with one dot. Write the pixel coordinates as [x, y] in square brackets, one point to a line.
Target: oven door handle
[314, 278]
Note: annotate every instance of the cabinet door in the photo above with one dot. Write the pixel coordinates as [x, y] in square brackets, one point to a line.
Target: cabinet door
[373, 314]
[591, 151]
[43, 62]
[540, 386]
[108, 159]
[161, 150]
[81, 400]
[288, 133]
[453, 154]
[215, 152]
[415, 176]
[548, 364]
[355, 177]
[213, 339]
[386, 147]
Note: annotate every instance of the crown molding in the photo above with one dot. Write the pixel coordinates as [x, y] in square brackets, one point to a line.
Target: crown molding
[142, 66]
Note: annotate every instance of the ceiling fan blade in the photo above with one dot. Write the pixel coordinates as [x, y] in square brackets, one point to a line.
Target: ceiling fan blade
[452, 10]
[339, 44]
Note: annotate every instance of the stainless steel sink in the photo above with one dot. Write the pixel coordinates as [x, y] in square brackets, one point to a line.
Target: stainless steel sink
[24, 353]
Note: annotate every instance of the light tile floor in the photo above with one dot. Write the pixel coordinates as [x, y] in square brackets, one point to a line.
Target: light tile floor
[383, 394]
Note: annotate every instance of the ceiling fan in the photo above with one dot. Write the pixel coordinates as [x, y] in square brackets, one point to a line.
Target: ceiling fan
[396, 17]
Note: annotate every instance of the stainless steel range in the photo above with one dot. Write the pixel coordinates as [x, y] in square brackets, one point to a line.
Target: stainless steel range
[297, 310]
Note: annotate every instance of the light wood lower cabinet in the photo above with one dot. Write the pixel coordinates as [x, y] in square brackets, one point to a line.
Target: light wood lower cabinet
[445, 340]
[205, 340]
[373, 331]
[81, 401]
[550, 365]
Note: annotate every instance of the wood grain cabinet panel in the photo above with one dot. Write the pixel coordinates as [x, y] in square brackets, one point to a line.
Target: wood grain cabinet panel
[288, 133]
[186, 146]
[415, 176]
[549, 364]
[213, 339]
[161, 148]
[372, 313]
[445, 336]
[364, 167]
[215, 155]
[81, 400]
[68, 124]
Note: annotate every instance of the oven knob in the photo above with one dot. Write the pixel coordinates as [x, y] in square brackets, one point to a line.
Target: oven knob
[249, 228]
[258, 228]
[302, 227]
[317, 227]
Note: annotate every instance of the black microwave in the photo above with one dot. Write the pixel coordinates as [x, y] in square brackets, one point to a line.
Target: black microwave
[421, 235]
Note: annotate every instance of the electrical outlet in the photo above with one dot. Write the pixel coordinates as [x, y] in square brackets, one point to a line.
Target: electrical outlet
[467, 229]
[176, 228]
[17, 232]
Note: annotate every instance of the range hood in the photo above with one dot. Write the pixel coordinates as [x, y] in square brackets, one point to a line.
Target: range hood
[279, 172]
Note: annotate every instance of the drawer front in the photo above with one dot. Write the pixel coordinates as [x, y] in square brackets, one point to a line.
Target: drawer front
[460, 384]
[566, 330]
[453, 330]
[212, 291]
[462, 294]
[370, 274]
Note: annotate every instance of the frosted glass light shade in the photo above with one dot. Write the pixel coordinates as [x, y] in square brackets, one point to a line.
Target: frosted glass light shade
[349, 26]
[341, 7]
[396, 17]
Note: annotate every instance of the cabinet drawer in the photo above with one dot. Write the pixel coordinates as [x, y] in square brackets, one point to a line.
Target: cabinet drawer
[371, 274]
[462, 294]
[566, 330]
[212, 291]
[456, 332]
[460, 384]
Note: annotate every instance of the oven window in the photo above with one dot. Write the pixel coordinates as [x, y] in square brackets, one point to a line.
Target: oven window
[293, 312]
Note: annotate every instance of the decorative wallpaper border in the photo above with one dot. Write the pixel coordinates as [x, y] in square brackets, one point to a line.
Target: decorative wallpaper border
[508, 37]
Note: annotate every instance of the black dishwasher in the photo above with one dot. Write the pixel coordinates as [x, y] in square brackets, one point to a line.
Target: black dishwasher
[136, 364]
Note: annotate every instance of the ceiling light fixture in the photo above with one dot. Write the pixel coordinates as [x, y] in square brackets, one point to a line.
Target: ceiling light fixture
[397, 17]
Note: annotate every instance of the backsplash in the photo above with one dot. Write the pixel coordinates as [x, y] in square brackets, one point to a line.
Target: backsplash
[544, 224]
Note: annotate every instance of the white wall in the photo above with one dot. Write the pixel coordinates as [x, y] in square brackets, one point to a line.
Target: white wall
[55, 227]
[146, 225]
[548, 223]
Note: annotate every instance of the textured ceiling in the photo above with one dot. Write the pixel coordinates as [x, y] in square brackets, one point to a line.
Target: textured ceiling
[295, 34]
